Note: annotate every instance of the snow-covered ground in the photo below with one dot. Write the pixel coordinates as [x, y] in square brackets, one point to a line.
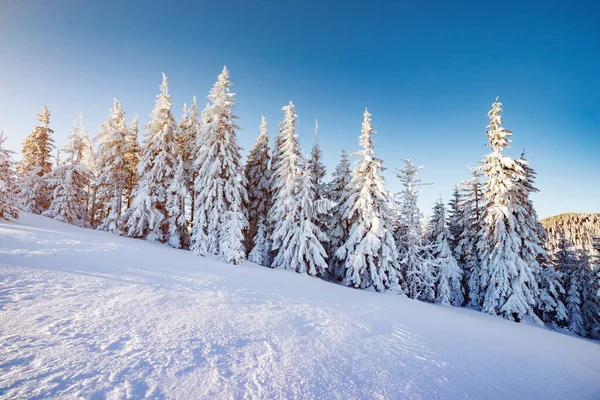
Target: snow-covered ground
[89, 314]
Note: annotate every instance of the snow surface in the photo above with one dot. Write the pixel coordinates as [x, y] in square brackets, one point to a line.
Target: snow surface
[88, 313]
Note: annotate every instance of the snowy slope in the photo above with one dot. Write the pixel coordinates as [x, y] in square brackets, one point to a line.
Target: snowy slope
[88, 313]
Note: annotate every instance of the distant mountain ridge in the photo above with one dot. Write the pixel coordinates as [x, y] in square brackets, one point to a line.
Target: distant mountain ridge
[578, 228]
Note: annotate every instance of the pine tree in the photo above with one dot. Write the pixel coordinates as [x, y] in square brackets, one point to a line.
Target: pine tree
[112, 170]
[175, 204]
[220, 185]
[148, 217]
[189, 126]
[466, 252]
[286, 182]
[415, 255]
[258, 177]
[131, 157]
[88, 160]
[35, 165]
[338, 231]
[8, 184]
[369, 253]
[448, 274]
[507, 272]
[70, 181]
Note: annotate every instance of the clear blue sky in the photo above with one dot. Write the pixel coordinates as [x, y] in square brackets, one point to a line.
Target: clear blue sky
[427, 70]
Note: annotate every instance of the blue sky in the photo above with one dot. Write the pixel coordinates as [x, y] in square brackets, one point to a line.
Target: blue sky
[427, 71]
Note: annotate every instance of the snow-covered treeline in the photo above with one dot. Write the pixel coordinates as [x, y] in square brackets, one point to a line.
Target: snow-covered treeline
[185, 184]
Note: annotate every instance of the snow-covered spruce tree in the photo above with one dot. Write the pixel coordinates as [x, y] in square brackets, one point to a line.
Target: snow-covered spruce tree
[258, 179]
[338, 228]
[318, 168]
[550, 307]
[131, 153]
[415, 255]
[466, 252]
[148, 217]
[455, 218]
[112, 170]
[70, 181]
[507, 269]
[220, 217]
[8, 184]
[590, 307]
[311, 252]
[369, 254]
[261, 249]
[35, 165]
[88, 160]
[177, 222]
[189, 126]
[286, 181]
[448, 274]
[571, 262]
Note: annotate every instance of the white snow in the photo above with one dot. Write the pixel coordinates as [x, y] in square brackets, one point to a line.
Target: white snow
[88, 313]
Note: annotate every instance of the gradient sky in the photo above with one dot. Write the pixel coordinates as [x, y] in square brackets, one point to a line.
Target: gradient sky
[427, 70]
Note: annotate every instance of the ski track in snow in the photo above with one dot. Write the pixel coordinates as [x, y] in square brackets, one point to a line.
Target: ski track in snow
[89, 314]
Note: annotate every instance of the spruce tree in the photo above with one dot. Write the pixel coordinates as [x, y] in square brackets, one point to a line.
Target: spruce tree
[415, 255]
[551, 307]
[338, 228]
[35, 165]
[311, 252]
[148, 217]
[508, 268]
[131, 159]
[261, 249]
[175, 204]
[112, 170]
[318, 168]
[466, 251]
[286, 182]
[369, 253]
[455, 218]
[70, 181]
[220, 192]
[8, 184]
[258, 179]
[189, 127]
[448, 274]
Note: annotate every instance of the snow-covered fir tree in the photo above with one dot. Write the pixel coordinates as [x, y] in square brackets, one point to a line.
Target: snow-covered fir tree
[551, 307]
[415, 255]
[508, 268]
[448, 275]
[35, 165]
[571, 263]
[455, 218]
[8, 183]
[466, 252]
[177, 222]
[261, 250]
[220, 218]
[311, 252]
[131, 157]
[88, 160]
[112, 175]
[338, 193]
[148, 217]
[318, 168]
[590, 307]
[258, 186]
[369, 254]
[286, 181]
[189, 126]
[70, 180]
